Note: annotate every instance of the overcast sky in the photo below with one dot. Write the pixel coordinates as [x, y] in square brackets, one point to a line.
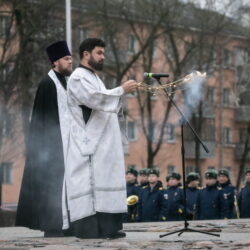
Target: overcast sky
[220, 5]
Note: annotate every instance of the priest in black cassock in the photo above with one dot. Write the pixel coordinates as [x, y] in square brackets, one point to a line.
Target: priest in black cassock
[40, 201]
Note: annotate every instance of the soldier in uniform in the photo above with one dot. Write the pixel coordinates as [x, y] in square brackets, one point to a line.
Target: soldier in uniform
[244, 197]
[152, 206]
[143, 177]
[192, 191]
[174, 198]
[132, 191]
[211, 203]
[229, 191]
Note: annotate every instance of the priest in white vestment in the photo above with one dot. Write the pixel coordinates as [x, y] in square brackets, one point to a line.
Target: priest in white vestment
[95, 184]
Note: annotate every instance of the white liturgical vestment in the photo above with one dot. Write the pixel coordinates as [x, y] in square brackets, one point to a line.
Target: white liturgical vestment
[94, 171]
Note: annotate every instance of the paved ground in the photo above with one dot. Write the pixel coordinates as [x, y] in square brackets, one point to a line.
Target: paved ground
[234, 234]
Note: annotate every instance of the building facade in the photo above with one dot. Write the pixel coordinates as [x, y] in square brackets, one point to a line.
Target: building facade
[225, 108]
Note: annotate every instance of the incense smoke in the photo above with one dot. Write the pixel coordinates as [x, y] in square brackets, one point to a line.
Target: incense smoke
[194, 93]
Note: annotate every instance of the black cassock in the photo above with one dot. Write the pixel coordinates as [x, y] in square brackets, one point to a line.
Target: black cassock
[40, 201]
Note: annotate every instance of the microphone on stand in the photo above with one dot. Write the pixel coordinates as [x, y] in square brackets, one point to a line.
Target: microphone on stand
[155, 75]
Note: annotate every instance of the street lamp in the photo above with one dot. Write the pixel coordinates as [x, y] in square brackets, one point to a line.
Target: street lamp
[68, 23]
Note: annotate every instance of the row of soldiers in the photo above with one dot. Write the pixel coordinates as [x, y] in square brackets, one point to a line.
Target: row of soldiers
[148, 200]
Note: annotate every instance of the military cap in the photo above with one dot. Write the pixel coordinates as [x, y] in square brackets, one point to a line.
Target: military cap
[133, 171]
[167, 178]
[247, 170]
[192, 177]
[224, 172]
[143, 171]
[175, 175]
[154, 171]
[211, 173]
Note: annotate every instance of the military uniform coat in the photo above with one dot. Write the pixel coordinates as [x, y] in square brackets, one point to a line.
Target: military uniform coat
[211, 204]
[174, 198]
[130, 216]
[244, 202]
[191, 201]
[151, 206]
[229, 192]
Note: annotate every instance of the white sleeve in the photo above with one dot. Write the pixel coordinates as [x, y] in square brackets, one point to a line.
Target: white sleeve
[83, 92]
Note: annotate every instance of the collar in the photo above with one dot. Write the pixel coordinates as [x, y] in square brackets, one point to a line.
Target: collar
[59, 75]
[224, 184]
[173, 187]
[212, 186]
[82, 66]
[61, 78]
[131, 184]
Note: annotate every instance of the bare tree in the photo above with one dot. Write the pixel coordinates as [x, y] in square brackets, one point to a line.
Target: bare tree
[28, 30]
[241, 98]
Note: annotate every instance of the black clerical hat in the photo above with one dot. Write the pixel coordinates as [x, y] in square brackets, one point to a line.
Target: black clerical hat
[58, 50]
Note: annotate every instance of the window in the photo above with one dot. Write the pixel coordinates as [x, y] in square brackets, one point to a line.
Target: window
[170, 51]
[109, 81]
[171, 169]
[242, 56]
[226, 97]
[208, 130]
[210, 94]
[153, 132]
[242, 135]
[6, 173]
[210, 167]
[153, 49]
[131, 43]
[83, 34]
[131, 130]
[5, 72]
[4, 26]
[170, 132]
[227, 58]
[226, 135]
[190, 169]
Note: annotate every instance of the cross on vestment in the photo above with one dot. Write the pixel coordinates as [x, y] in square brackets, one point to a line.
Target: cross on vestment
[86, 140]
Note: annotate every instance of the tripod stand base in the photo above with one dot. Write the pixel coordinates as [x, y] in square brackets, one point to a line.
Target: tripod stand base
[186, 229]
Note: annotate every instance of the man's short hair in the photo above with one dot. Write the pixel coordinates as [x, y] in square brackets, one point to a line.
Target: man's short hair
[89, 44]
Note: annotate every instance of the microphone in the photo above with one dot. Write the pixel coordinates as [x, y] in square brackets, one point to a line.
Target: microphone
[155, 75]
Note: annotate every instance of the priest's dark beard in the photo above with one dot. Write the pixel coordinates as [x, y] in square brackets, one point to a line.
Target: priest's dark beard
[94, 64]
[64, 71]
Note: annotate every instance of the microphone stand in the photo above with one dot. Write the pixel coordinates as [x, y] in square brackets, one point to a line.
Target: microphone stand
[182, 121]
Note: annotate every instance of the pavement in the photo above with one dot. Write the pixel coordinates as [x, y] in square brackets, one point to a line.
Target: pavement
[234, 234]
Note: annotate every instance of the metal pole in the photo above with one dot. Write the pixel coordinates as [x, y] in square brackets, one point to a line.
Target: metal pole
[68, 24]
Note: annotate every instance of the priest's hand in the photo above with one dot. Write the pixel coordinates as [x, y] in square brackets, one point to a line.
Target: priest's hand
[129, 86]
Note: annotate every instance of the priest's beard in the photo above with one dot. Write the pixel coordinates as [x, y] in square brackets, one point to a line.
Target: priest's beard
[94, 64]
[65, 71]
